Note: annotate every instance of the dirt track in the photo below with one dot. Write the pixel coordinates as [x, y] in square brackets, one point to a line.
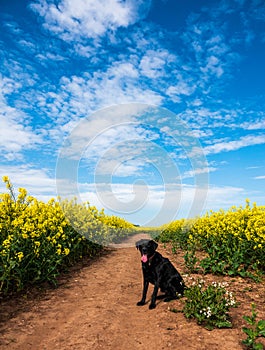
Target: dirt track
[95, 308]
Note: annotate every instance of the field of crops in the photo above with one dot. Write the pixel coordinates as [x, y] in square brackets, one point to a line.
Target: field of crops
[37, 241]
[229, 242]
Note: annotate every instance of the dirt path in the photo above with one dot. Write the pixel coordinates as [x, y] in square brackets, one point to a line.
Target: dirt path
[95, 308]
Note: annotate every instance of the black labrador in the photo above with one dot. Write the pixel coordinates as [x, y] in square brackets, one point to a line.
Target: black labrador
[159, 271]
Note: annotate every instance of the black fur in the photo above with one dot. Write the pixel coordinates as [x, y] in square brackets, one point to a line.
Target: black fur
[160, 272]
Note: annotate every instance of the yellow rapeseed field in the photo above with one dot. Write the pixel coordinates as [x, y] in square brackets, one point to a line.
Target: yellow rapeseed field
[233, 240]
[38, 240]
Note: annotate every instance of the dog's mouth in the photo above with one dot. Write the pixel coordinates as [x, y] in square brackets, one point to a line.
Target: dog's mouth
[144, 258]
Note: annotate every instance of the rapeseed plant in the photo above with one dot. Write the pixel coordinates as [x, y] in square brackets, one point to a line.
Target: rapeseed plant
[233, 240]
[37, 239]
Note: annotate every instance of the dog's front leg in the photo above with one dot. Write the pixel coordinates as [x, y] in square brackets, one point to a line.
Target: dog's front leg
[145, 288]
[154, 295]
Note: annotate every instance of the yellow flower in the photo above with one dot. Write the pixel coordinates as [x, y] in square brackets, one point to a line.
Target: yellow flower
[5, 179]
[20, 256]
[6, 243]
[8, 185]
[66, 251]
[3, 252]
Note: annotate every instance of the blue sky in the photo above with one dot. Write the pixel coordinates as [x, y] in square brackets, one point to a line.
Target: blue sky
[152, 109]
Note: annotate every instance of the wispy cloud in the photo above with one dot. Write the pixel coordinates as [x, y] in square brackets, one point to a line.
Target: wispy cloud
[192, 173]
[154, 63]
[16, 138]
[81, 56]
[38, 182]
[257, 124]
[143, 69]
[80, 96]
[213, 55]
[151, 199]
[262, 177]
[16, 135]
[244, 141]
[146, 204]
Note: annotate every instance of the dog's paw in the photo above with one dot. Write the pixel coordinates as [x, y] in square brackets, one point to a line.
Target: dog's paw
[152, 306]
[140, 303]
[168, 299]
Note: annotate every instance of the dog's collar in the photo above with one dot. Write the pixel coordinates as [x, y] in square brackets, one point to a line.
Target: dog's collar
[150, 259]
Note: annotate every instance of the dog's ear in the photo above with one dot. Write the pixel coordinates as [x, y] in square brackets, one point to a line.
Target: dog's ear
[138, 244]
[154, 245]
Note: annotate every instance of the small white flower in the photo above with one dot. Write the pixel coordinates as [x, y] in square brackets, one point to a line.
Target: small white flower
[209, 312]
[224, 284]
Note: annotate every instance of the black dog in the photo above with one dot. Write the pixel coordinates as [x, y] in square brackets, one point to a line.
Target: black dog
[159, 271]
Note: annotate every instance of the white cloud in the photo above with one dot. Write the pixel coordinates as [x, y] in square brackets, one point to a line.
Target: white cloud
[74, 20]
[37, 182]
[102, 130]
[244, 141]
[156, 204]
[192, 173]
[262, 177]
[47, 56]
[204, 133]
[181, 88]
[15, 133]
[213, 54]
[154, 63]
[203, 119]
[15, 138]
[115, 148]
[144, 204]
[7, 86]
[80, 96]
[224, 197]
[254, 125]
[213, 67]
[254, 167]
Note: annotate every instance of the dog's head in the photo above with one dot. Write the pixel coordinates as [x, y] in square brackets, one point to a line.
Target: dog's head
[147, 248]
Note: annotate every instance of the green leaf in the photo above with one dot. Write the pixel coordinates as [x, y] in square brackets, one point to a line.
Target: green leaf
[257, 346]
[248, 319]
[248, 331]
[262, 333]
[231, 272]
[224, 324]
[261, 326]
[209, 327]
[247, 342]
